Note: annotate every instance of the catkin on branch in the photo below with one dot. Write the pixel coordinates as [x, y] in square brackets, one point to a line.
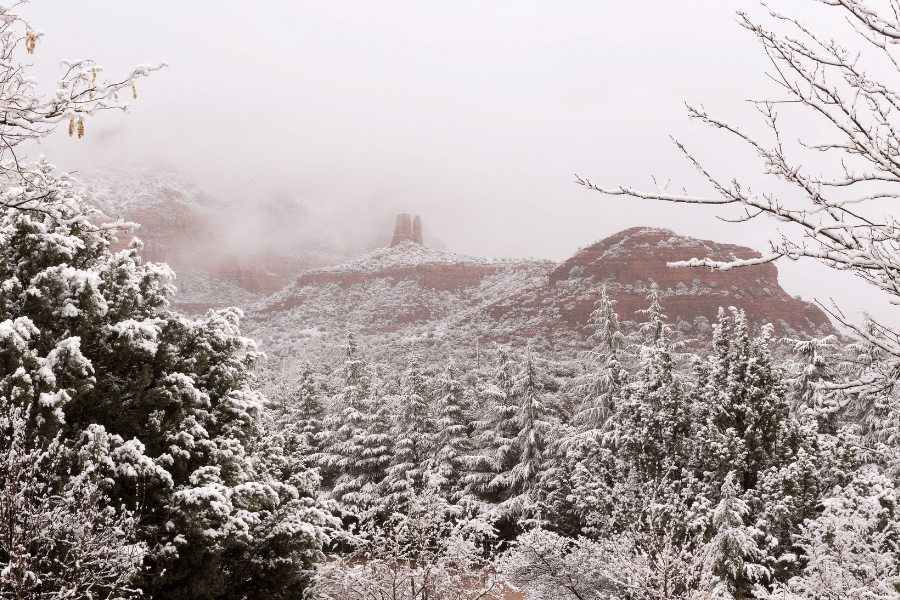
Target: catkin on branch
[80, 129]
[71, 127]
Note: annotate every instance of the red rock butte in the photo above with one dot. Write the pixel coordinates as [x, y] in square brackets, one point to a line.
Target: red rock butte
[633, 261]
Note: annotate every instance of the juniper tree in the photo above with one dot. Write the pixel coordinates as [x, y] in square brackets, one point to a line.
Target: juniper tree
[851, 549]
[741, 403]
[744, 429]
[89, 346]
[59, 537]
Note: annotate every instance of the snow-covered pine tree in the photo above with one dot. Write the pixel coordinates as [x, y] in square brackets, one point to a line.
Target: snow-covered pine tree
[497, 431]
[359, 445]
[530, 442]
[732, 557]
[577, 484]
[294, 421]
[607, 373]
[653, 421]
[308, 409]
[345, 419]
[814, 365]
[452, 444]
[413, 433]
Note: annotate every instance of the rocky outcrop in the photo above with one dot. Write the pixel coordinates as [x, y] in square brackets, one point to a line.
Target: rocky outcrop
[407, 230]
[417, 231]
[632, 262]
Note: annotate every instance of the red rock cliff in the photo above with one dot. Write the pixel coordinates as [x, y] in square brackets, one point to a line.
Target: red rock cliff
[631, 262]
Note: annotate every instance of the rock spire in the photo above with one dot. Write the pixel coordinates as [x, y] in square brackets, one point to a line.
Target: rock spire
[407, 230]
[417, 231]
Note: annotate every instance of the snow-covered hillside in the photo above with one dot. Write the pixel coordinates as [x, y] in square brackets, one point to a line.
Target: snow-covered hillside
[390, 313]
[119, 192]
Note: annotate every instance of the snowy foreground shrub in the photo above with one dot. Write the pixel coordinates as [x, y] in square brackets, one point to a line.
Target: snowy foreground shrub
[56, 538]
[852, 548]
[427, 551]
[92, 357]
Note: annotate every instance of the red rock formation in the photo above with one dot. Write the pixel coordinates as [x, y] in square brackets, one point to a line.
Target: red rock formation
[417, 231]
[407, 230]
[403, 230]
[630, 262]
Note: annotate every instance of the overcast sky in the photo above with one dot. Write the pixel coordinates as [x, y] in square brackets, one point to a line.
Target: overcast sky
[475, 115]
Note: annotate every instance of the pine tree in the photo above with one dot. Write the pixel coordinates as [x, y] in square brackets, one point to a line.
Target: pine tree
[497, 431]
[653, 419]
[530, 442]
[608, 375]
[295, 418]
[452, 443]
[359, 450]
[413, 433]
[732, 556]
[308, 409]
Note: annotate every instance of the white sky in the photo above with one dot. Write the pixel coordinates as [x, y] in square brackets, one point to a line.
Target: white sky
[475, 115]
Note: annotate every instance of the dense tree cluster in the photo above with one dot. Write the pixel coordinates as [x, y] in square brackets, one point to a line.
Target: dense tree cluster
[702, 468]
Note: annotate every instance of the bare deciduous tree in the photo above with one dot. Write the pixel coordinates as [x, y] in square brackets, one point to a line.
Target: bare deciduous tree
[26, 116]
[834, 218]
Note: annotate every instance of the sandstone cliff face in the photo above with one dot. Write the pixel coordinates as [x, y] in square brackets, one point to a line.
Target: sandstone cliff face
[631, 262]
